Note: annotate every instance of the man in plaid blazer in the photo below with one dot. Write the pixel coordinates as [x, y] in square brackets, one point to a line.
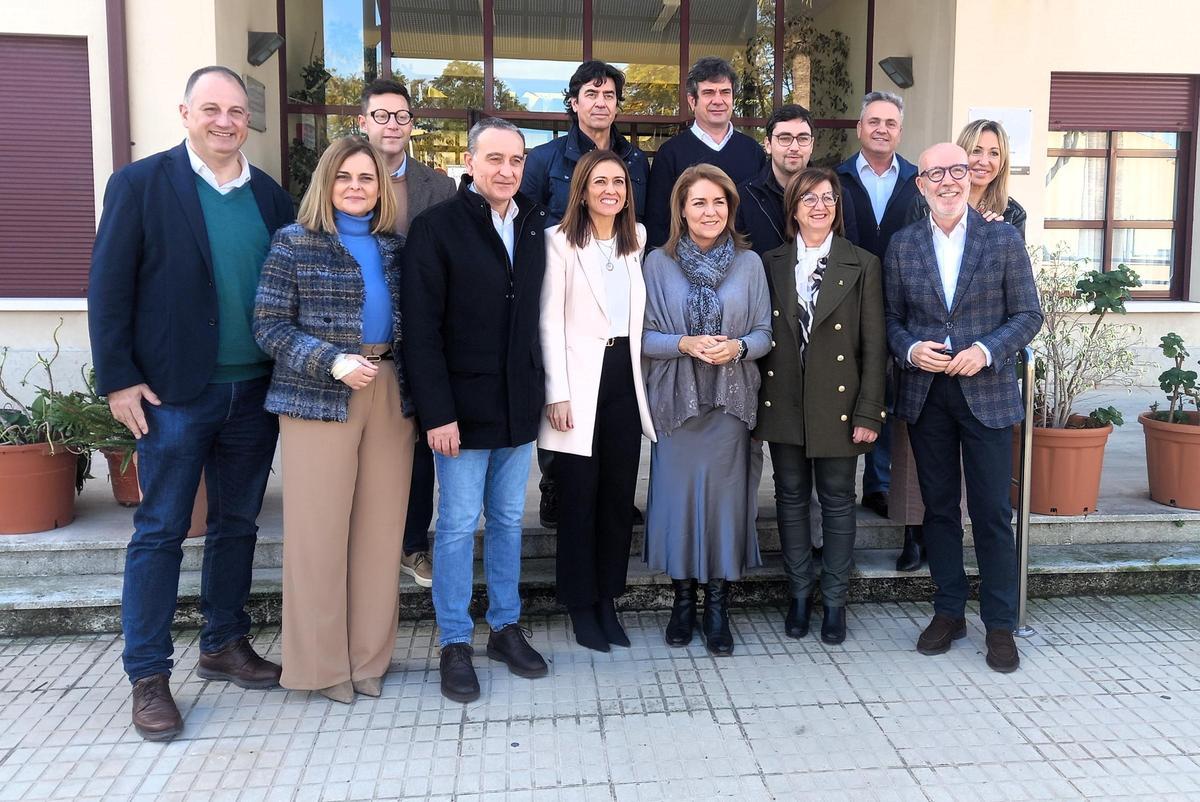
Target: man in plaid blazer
[961, 303]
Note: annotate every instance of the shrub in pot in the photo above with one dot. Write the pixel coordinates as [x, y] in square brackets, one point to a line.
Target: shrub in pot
[1076, 351]
[1173, 435]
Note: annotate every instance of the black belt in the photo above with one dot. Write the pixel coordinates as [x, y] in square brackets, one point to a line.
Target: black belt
[611, 341]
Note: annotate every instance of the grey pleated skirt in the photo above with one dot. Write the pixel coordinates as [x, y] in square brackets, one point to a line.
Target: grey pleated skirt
[703, 499]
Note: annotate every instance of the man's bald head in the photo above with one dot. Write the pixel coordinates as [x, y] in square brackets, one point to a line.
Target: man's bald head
[946, 193]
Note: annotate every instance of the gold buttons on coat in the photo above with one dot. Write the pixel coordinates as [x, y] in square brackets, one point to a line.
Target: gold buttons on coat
[841, 388]
[775, 313]
[770, 373]
[845, 417]
[840, 282]
[841, 358]
[766, 403]
[883, 414]
[837, 326]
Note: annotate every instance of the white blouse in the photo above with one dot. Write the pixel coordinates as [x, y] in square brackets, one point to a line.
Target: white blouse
[616, 285]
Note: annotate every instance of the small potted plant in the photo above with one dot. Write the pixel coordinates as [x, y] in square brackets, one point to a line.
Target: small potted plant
[111, 438]
[1173, 434]
[44, 453]
[1076, 351]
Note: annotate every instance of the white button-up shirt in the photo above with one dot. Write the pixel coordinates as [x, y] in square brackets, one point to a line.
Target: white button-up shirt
[879, 187]
[948, 251]
[201, 169]
[703, 136]
[506, 227]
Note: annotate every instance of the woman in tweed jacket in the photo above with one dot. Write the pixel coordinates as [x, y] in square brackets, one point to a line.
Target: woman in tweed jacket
[328, 312]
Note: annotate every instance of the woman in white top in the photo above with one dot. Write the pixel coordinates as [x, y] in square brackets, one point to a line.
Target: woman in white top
[593, 300]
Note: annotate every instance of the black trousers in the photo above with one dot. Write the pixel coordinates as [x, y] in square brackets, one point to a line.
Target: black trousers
[946, 428]
[595, 494]
[420, 499]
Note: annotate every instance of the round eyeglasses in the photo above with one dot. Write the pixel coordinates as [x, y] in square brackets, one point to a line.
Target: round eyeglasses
[381, 116]
[957, 171]
[786, 140]
[810, 199]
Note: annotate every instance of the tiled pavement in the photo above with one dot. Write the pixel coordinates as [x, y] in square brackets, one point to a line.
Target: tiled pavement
[1106, 706]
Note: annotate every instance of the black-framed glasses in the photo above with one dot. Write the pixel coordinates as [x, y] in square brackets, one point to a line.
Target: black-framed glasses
[786, 140]
[957, 171]
[381, 116]
[810, 199]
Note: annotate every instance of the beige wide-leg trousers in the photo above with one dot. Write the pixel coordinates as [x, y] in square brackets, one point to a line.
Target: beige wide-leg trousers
[345, 496]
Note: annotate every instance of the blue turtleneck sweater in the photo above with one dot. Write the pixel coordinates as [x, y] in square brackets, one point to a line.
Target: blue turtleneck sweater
[356, 235]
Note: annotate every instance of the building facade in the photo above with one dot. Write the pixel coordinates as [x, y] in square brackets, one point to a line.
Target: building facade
[1101, 97]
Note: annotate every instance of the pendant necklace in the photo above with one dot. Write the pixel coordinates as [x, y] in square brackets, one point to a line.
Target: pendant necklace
[608, 263]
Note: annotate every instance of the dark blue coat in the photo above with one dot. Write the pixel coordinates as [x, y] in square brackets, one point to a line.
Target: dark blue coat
[152, 303]
[549, 167]
[995, 303]
[859, 218]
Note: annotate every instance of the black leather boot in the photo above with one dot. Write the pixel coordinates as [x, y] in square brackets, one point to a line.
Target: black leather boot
[683, 613]
[610, 624]
[912, 553]
[717, 635]
[795, 625]
[587, 629]
[833, 625]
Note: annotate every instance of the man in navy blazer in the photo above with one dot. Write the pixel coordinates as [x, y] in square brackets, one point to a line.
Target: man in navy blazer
[878, 188]
[961, 303]
[174, 272]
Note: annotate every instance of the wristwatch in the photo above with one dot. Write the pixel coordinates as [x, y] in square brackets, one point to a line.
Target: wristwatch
[741, 351]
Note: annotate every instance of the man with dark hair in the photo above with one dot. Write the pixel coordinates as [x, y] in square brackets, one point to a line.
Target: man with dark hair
[711, 87]
[174, 273]
[472, 295]
[387, 119]
[592, 99]
[880, 186]
[789, 146]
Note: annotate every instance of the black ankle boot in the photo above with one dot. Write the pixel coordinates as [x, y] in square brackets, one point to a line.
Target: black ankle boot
[717, 635]
[610, 625]
[587, 628]
[683, 613]
[912, 553]
[833, 625]
[795, 624]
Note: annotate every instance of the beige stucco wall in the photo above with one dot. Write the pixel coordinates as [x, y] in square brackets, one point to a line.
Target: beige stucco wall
[1004, 54]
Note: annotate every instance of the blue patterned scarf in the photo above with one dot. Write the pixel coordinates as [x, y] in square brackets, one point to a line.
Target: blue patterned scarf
[704, 272]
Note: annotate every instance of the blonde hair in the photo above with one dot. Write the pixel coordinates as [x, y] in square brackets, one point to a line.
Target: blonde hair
[316, 208]
[688, 178]
[995, 194]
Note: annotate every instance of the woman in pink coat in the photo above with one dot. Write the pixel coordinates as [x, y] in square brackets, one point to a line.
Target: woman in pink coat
[593, 300]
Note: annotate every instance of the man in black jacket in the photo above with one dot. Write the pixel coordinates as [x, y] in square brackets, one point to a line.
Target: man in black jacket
[789, 146]
[879, 186]
[175, 266]
[472, 292]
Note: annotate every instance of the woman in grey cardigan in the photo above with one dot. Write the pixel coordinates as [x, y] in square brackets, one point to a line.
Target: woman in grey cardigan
[708, 317]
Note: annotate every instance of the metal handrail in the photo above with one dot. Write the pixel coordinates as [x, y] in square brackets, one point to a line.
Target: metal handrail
[1023, 482]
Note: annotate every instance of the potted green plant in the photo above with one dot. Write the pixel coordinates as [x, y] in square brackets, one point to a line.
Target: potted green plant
[1076, 351]
[108, 436]
[44, 452]
[1173, 435]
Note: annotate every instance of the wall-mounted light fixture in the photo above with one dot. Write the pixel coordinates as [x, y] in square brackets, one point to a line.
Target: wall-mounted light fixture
[262, 45]
[899, 69]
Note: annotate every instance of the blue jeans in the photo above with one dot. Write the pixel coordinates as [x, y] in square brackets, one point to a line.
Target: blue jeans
[492, 480]
[877, 463]
[226, 432]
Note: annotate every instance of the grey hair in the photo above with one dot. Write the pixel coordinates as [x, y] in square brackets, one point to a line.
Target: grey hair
[488, 123]
[200, 73]
[886, 97]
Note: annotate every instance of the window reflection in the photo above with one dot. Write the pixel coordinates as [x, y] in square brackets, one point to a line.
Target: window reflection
[825, 47]
[538, 45]
[743, 33]
[333, 48]
[440, 144]
[641, 37]
[1149, 252]
[437, 50]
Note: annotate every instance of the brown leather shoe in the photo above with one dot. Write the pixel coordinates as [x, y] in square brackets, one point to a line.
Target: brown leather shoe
[1002, 653]
[240, 664]
[155, 716]
[941, 630]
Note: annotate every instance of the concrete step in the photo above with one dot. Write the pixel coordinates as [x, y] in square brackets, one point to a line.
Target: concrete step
[101, 550]
[89, 603]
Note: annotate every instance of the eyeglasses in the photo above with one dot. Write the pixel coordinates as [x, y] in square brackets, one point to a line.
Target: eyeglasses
[381, 116]
[786, 140]
[810, 199]
[957, 171]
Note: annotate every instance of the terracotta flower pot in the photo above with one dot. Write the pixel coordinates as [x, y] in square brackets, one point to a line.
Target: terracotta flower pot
[130, 491]
[37, 488]
[1067, 464]
[124, 484]
[1173, 460]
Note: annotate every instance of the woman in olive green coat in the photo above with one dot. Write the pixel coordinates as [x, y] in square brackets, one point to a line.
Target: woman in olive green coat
[821, 402]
